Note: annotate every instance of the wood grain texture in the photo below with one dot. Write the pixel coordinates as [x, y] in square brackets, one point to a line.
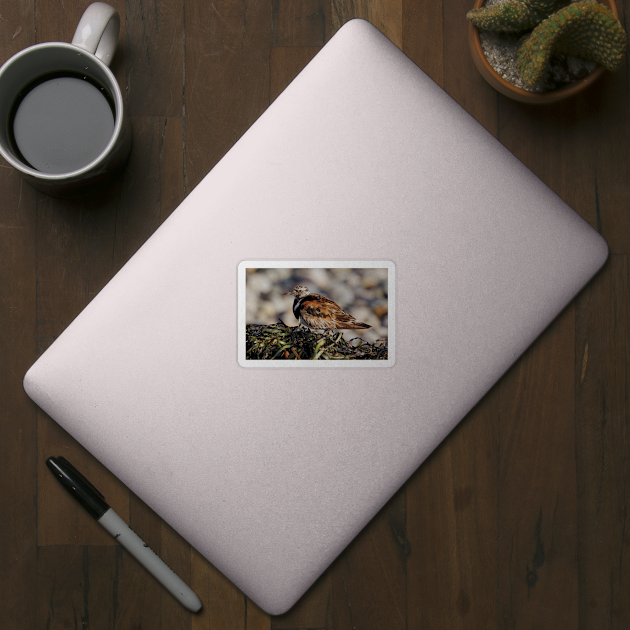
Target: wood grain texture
[76, 587]
[602, 381]
[285, 64]
[18, 417]
[369, 577]
[313, 610]
[537, 536]
[608, 143]
[577, 149]
[386, 15]
[226, 78]
[452, 527]
[518, 520]
[18, 325]
[300, 22]
[151, 187]
[224, 606]
[461, 79]
[154, 57]
[422, 36]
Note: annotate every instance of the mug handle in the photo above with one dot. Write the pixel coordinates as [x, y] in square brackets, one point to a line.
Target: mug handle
[98, 30]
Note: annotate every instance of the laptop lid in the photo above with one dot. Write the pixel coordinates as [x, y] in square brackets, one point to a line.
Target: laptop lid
[271, 468]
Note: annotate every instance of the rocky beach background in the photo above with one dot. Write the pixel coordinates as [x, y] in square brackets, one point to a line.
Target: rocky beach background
[362, 292]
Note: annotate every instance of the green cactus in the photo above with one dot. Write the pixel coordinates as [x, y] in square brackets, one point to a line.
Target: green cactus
[513, 16]
[583, 29]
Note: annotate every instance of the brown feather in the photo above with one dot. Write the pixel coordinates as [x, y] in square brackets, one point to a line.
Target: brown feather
[320, 312]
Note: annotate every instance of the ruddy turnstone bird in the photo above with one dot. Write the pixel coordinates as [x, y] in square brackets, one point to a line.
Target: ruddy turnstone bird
[317, 311]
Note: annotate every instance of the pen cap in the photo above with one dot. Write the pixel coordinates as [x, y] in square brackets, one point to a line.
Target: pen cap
[78, 486]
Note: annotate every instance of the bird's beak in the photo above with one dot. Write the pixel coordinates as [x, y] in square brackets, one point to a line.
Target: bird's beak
[289, 293]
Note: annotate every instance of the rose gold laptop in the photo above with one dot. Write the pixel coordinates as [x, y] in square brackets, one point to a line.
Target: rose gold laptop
[362, 168]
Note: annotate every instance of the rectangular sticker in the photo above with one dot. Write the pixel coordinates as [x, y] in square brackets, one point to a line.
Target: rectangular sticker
[316, 313]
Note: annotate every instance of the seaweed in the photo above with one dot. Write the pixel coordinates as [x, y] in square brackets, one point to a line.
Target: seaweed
[282, 342]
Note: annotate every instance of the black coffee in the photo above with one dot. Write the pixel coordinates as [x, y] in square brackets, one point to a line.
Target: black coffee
[62, 123]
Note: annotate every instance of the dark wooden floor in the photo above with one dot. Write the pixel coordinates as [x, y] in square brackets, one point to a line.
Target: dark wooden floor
[518, 520]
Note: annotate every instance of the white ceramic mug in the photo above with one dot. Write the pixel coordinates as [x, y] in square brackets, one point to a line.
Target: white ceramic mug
[85, 60]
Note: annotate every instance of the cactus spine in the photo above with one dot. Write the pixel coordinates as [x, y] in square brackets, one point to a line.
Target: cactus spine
[513, 16]
[583, 29]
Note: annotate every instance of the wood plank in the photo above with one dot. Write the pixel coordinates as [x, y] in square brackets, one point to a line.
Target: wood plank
[423, 36]
[74, 257]
[452, 527]
[18, 416]
[558, 148]
[369, 588]
[300, 22]
[76, 587]
[152, 185]
[537, 537]
[608, 127]
[17, 28]
[576, 147]
[256, 618]
[461, 78]
[18, 419]
[603, 443]
[565, 147]
[313, 610]
[224, 606]
[154, 60]
[226, 78]
[57, 22]
[386, 15]
[171, 159]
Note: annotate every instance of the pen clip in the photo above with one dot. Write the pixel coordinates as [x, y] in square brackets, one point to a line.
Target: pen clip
[64, 462]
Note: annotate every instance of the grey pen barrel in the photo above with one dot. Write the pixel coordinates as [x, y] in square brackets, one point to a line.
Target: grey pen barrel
[149, 559]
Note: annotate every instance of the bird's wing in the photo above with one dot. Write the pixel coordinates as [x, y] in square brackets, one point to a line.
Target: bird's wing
[326, 314]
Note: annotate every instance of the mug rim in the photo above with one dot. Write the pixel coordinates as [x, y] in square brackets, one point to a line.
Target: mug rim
[118, 122]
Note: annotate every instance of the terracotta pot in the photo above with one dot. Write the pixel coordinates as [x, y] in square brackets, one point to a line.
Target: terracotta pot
[508, 89]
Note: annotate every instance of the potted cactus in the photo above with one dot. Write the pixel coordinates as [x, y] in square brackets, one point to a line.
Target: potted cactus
[557, 48]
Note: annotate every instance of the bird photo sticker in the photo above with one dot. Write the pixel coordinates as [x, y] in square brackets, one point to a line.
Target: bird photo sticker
[316, 314]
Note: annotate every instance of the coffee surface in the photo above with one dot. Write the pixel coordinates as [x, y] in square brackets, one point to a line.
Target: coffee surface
[62, 124]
